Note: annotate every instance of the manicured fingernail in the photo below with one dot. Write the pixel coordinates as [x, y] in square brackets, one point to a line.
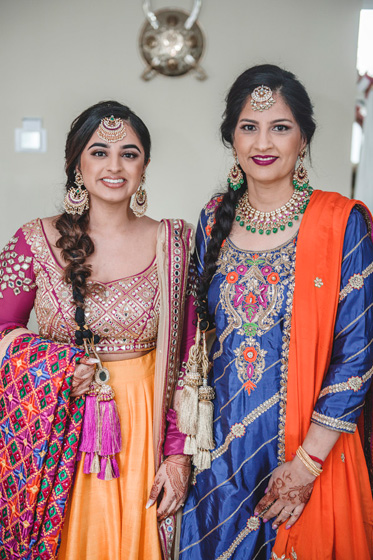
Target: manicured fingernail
[265, 520]
[149, 504]
[287, 526]
[266, 490]
[256, 513]
[274, 526]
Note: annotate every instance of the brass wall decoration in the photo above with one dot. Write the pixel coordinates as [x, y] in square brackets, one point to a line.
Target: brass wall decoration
[171, 42]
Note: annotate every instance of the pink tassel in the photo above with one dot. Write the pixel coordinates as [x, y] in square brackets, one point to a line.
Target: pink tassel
[115, 467]
[90, 422]
[101, 434]
[111, 438]
[101, 474]
[87, 463]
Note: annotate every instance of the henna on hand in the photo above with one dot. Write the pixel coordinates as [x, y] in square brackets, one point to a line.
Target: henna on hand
[178, 475]
[289, 489]
[173, 478]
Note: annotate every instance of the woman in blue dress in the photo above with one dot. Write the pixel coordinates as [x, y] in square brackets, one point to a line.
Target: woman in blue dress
[286, 280]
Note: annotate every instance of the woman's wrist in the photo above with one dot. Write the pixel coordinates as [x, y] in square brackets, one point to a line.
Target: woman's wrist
[308, 463]
[180, 459]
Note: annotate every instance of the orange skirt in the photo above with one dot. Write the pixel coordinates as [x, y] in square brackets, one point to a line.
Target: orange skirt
[107, 520]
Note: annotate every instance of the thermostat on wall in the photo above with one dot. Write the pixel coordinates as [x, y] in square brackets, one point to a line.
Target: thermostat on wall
[31, 137]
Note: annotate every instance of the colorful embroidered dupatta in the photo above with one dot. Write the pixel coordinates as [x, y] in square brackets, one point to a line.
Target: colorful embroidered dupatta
[39, 434]
[341, 503]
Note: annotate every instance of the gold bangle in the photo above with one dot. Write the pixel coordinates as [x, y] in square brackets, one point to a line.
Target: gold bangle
[307, 462]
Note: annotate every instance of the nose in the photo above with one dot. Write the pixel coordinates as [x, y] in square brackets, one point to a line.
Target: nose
[263, 140]
[114, 163]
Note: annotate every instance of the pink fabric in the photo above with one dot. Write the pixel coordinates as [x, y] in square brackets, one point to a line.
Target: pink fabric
[17, 282]
[174, 441]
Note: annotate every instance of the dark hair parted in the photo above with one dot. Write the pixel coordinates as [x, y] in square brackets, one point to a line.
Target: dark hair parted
[280, 81]
[75, 243]
[295, 96]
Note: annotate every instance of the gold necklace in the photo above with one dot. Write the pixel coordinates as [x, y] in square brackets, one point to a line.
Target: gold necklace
[272, 222]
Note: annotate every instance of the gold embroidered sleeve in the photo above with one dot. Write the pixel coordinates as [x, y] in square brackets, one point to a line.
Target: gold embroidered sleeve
[333, 423]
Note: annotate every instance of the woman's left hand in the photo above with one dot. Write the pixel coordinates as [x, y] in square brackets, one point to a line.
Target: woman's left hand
[173, 477]
[289, 489]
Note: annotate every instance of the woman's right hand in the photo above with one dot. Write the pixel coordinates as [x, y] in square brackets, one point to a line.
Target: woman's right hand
[83, 375]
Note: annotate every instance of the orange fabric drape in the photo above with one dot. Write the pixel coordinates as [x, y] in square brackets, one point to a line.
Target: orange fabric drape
[337, 522]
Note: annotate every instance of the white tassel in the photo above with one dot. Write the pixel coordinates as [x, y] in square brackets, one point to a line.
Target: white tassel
[202, 459]
[204, 437]
[190, 446]
[188, 409]
[95, 466]
[108, 470]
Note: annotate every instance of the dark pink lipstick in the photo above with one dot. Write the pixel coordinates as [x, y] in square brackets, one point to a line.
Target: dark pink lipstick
[264, 160]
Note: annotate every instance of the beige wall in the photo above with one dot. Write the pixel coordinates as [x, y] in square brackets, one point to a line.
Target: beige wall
[58, 57]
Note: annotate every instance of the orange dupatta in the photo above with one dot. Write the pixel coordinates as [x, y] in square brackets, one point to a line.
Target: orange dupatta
[337, 522]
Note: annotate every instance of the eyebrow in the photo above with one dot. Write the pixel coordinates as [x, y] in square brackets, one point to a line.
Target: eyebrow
[272, 122]
[124, 147]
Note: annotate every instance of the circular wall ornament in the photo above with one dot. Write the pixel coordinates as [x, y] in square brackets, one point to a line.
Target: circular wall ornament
[171, 42]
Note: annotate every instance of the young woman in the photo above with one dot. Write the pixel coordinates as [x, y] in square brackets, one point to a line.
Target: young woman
[109, 287]
[286, 278]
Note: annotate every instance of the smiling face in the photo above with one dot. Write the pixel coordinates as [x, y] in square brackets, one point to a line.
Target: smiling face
[268, 143]
[112, 171]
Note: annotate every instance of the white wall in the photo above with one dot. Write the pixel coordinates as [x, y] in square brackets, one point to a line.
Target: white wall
[58, 57]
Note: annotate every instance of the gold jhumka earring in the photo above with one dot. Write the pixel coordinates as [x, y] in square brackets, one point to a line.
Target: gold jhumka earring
[76, 200]
[140, 201]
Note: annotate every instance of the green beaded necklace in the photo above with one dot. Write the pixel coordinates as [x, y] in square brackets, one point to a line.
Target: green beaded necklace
[277, 220]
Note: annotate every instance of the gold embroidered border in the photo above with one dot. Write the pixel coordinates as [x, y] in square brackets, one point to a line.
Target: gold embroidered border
[252, 524]
[284, 368]
[352, 384]
[333, 423]
[356, 282]
[238, 429]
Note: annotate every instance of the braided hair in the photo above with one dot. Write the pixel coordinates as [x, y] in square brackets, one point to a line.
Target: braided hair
[296, 97]
[74, 241]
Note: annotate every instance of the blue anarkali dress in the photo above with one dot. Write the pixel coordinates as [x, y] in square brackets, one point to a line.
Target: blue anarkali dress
[250, 299]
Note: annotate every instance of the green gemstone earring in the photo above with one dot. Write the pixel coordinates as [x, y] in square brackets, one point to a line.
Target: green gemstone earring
[300, 177]
[235, 177]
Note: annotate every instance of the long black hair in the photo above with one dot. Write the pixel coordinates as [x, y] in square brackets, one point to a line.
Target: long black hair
[296, 97]
[74, 241]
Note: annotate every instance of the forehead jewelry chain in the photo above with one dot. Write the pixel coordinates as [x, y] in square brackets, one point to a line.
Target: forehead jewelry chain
[111, 129]
[277, 220]
[261, 98]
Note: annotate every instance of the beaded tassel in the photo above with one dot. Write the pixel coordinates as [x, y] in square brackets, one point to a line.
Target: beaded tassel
[188, 410]
[197, 423]
[101, 435]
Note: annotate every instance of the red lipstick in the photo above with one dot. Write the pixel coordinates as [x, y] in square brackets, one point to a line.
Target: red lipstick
[264, 160]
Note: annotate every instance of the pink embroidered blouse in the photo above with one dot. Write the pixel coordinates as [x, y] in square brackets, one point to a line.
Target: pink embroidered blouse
[124, 313]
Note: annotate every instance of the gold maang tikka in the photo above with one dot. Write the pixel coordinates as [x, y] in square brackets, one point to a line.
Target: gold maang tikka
[261, 98]
[111, 129]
